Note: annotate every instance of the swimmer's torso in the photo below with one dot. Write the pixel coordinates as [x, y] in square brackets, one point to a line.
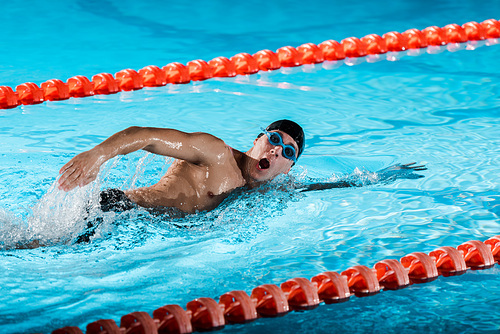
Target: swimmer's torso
[191, 187]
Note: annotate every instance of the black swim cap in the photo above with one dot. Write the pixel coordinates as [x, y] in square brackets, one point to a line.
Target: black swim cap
[292, 129]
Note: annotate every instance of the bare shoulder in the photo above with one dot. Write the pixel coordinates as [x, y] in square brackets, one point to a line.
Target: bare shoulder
[214, 149]
[207, 140]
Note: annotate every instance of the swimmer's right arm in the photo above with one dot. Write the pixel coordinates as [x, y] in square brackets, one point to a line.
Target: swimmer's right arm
[197, 148]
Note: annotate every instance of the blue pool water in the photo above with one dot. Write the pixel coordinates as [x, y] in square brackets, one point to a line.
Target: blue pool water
[438, 109]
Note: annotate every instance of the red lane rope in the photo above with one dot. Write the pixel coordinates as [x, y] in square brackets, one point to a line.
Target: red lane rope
[245, 64]
[269, 300]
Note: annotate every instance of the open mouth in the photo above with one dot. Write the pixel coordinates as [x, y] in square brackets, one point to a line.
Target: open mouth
[263, 163]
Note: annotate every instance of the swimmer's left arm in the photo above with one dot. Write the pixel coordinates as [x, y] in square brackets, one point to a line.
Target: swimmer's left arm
[391, 173]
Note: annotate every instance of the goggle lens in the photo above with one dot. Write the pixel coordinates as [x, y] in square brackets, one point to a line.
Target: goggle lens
[275, 138]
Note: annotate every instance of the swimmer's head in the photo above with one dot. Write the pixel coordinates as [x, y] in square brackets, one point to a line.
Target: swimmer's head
[292, 129]
[275, 150]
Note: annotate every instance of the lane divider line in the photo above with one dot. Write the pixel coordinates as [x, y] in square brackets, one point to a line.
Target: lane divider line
[269, 300]
[245, 64]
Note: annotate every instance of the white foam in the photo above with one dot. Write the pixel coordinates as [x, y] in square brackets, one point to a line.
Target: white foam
[56, 218]
[59, 215]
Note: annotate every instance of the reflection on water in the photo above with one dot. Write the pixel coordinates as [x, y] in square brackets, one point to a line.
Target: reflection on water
[439, 110]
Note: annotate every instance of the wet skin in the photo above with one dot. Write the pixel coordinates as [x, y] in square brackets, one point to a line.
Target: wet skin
[205, 171]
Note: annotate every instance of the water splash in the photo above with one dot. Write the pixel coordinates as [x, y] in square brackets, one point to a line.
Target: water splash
[56, 218]
[60, 217]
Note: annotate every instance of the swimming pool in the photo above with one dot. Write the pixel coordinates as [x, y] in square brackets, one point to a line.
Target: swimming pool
[438, 109]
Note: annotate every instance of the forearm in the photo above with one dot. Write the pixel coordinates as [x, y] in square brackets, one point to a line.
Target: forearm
[330, 185]
[124, 142]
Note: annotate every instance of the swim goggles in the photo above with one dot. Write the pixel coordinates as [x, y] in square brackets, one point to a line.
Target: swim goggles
[288, 151]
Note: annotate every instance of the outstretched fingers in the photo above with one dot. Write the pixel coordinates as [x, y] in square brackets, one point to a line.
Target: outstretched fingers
[411, 165]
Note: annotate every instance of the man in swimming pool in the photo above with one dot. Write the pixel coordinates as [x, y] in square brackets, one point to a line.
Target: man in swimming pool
[205, 172]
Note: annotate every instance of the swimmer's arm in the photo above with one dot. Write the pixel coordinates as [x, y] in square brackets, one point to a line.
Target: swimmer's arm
[197, 148]
[391, 173]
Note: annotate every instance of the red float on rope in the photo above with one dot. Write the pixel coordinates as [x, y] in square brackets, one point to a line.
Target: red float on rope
[138, 322]
[455, 33]
[301, 293]
[176, 73]
[362, 281]
[474, 31]
[80, 86]
[421, 268]
[29, 93]
[332, 50]
[494, 244]
[267, 60]
[491, 28]
[374, 44]
[55, 90]
[289, 56]
[107, 326]
[245, 64]
[395, 41]
[238, 307]
[435, 36]
[449, 261]
[476, 254]
[270, 301]
[68, 330]
[153, 76]
[354, 47]
[8, 98]
[391, 274]
[310, 53]
[199, 70]
[129, 79]
[222, 67]
[205, 314]
[173, 319]
[105, 83]
[415, 38]
[332, 287]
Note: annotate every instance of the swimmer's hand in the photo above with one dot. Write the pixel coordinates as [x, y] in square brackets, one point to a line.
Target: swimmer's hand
[399, 171]
[81, 170]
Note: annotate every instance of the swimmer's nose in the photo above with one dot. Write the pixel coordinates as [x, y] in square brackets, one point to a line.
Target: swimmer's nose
[276, 150]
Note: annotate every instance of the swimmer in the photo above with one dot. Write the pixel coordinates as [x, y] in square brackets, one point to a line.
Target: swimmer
[205, 171]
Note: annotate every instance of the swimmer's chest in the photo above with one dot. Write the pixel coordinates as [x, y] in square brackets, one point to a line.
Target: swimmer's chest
[209, 181]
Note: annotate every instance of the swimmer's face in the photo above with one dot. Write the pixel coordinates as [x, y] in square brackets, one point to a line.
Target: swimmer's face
[268, 159]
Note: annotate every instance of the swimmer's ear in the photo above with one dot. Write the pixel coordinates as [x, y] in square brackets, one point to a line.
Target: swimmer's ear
[260, 135]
